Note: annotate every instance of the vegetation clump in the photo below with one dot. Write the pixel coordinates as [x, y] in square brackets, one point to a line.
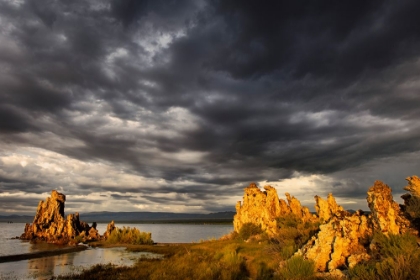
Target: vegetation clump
[248, 230]
[394, 257]
[293, 233]
[297, 268]
[221, 259]
[127, 235]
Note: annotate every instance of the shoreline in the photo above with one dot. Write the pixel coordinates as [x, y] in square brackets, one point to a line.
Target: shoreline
[41, 254]
[78, 248]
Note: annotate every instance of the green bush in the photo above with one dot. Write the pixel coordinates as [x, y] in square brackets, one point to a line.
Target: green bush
[394, 245]
[127, 235]
[249, 229]
[363, 271]
[293, 230]
[396, 257]
[287, 221]
[297, 268]
[293, 233]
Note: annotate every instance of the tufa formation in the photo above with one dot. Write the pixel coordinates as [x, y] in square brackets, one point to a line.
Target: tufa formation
[344, 239]
[51, 226]
[263, 207]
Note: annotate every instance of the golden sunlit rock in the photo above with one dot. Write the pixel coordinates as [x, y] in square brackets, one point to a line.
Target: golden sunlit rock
[263, 207]
[50, 225]
[413, 185]
[344, 239]
[385, 212]
[342, 236]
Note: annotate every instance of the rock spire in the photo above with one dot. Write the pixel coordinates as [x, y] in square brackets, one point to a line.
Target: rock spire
[50, 224]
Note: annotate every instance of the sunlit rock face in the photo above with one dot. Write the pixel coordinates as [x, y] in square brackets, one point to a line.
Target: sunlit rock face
[263, 207]
[385, 212]
[342, 239]
[413, 186]
[50, 224]
[326, 209]
[411, 205]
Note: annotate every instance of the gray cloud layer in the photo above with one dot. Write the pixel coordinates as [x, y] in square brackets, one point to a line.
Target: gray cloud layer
[154, 104]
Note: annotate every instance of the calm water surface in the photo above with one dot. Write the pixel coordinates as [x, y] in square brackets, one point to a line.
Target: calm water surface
[44, 268]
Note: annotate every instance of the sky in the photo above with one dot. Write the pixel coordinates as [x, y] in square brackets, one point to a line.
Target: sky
[177, 106]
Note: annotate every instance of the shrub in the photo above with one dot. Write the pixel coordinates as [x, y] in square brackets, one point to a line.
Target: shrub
[395, 244]
[364, 271]
[127, 235]
[293, 233]
[396, 257]
[287, 221]
[78, 239]
[293, 230]
[297, 268]
[249, 229]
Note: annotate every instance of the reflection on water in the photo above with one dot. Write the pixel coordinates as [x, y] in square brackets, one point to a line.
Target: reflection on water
[43, 246]
[45, 268]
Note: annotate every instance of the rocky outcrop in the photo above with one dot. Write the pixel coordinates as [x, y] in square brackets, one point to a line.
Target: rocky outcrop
[341, 242]
[344, 239]
[50, 225]
[413, 186]
[326, 209]
[297, 209]
[411, 205]
[412, 199]
[386, 215]
[263, 207]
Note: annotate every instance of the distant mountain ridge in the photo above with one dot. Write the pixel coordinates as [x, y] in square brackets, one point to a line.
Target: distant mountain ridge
[163, 217]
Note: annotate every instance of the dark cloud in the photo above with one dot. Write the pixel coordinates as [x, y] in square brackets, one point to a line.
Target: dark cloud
[340, 40]
[187, 102]
[123, 197]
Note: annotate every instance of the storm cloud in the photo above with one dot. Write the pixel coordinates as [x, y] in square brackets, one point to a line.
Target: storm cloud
[178, 105]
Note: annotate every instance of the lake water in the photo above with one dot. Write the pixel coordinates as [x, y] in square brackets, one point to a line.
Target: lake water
[44, 268]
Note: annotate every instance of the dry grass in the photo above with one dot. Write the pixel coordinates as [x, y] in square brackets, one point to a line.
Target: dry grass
[228, 259]
[249, 229]
[297, 268]
[127, 235]
[293, 233]
[396, 257]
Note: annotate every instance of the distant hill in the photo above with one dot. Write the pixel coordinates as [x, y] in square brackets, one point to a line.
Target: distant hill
[17, 219]
[166, 217]
[145, 217]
